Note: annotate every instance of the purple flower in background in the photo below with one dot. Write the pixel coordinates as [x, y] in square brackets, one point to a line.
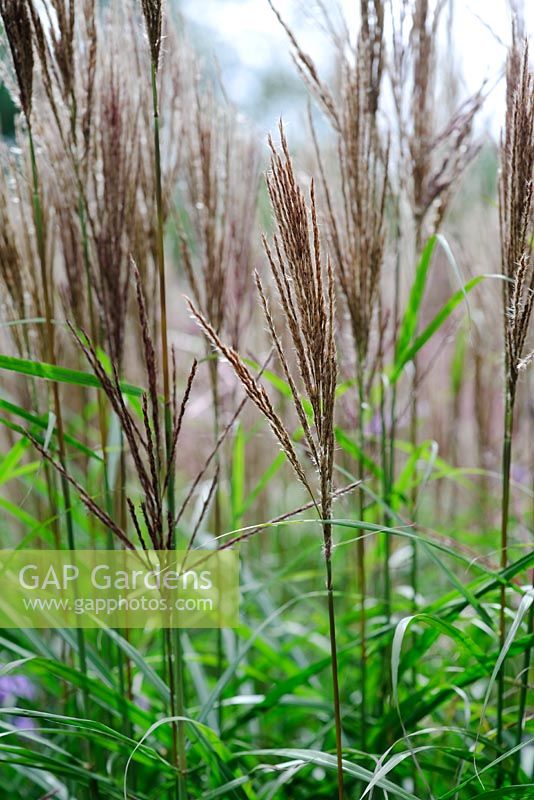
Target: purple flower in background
[142, 702]
[16, 686]
[23, 723]
[521, 474]
[13, 688]
[374, 427]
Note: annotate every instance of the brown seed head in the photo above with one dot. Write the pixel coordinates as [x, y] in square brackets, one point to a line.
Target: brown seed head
[222, 177]
[305, 284]
[516, 201]
[354, 210]
[17, 25]
[153, 13]
[433, 153]
[255, 392]
[12, 273]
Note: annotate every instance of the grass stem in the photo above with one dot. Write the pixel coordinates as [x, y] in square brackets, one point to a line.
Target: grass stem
[523, 693]
[217, 522]
[505, 511]
[327, 534]
[360, 555]
[174, 645]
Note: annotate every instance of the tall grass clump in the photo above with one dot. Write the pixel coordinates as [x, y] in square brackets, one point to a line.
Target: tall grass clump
[434, 144]
[355, 224]
[17, 18]
[306, 293]
[18, 27]
[152, 524]
[153, 14]
[217, 238]
[516, 205]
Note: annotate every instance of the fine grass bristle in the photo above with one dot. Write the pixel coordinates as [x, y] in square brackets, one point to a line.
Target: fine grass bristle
[17, 26]
[516, 210]
[256, 393]
[153, 14]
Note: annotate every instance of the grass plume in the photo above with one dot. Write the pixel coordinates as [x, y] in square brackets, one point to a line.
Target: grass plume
[517, 230]
[305, 287]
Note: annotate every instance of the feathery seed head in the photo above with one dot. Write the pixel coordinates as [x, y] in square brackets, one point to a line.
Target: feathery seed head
[255, 392]
[222, 178]
[516, 202]
[17, 26]
[153, 13]
[305, 285]
[433, 154]
[356, 224]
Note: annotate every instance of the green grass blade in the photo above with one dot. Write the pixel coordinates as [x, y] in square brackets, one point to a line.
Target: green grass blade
[237, 487]
[48, 372]
[408, 324]
[411, 350]
[42, 424]
[350, 446]
[328, 761]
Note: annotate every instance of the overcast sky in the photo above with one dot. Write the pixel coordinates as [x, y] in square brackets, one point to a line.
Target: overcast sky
[250, 46]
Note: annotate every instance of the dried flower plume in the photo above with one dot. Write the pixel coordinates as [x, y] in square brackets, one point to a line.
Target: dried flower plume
[222, 187]
[18, 30]
[356, 221]
[516, 195]
[305, 285]
[153, 13]
[434, 153]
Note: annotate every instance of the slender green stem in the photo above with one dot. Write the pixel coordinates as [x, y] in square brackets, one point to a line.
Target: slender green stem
[217, 522]
[327, 534]
[168, 652]
[178, 657]
[523, 693]
[390, 485]
[414, 568]
[174, 644]
[525, 685]
[388, 521]
[393, 407]
[386, 492]
[362, 579]
[161, 275]
[505, 511]
[414, 433]
[173, 657]
[389, 457]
